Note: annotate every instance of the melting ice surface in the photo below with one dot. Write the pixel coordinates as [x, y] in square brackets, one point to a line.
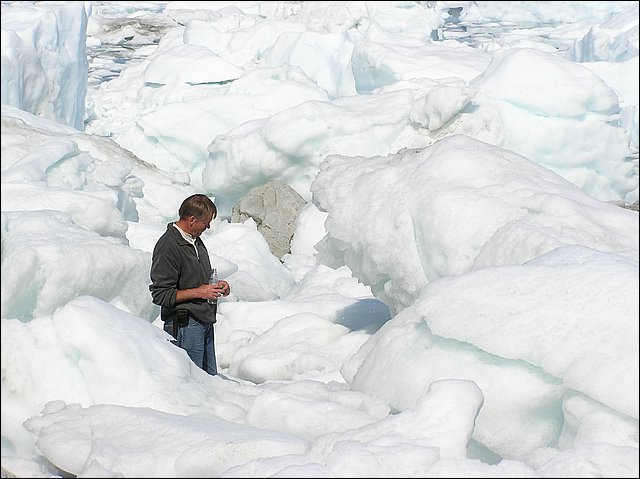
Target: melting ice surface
[461, 295]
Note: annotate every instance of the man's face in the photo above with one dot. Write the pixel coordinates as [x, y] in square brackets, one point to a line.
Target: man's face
[199, 225]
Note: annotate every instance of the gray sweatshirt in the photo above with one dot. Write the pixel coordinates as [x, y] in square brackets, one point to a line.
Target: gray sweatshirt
[175, 266]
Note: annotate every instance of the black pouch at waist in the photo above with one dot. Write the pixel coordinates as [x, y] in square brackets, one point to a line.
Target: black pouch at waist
[182, 319]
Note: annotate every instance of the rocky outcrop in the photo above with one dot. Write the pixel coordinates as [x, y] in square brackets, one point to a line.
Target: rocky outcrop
[274, 207]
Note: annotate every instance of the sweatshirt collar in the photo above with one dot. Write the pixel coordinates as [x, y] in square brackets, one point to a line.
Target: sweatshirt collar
[191, 239]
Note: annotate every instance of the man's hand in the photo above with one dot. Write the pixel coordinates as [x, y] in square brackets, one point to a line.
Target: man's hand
[225, 288]
[214, 291]
[205, 291]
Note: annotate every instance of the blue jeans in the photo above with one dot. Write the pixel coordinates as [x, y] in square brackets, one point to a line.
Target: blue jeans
[197, 340]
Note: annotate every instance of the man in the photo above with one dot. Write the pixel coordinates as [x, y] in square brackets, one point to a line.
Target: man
[180, 271]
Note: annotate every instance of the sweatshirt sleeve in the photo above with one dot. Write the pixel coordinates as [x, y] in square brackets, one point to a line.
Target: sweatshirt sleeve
[164, 278]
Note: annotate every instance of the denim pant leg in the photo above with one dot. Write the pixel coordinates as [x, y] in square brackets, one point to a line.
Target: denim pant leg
[198, 341]
[210, 363]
